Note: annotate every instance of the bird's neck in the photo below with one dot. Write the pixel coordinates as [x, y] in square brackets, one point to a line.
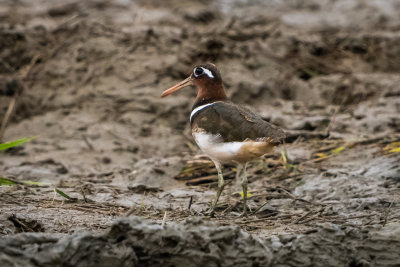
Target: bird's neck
[206, 95]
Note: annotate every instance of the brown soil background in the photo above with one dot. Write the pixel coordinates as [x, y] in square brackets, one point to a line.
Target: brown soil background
[91, 75]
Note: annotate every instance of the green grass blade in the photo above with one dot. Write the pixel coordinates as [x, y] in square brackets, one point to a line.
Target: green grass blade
[338, 150]
[5, 181]
[18, 142]
[29, 182]
[61, 193]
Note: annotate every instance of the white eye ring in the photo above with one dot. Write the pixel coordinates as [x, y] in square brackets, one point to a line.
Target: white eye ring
[205, 71]
[198, 71]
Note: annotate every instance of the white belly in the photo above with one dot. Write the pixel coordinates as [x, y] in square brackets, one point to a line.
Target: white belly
[213, 146]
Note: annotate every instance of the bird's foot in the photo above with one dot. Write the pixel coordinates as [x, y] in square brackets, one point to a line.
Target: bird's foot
[244, 214]
[210, 212]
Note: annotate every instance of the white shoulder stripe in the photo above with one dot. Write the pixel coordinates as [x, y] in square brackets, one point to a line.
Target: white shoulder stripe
[200, 108]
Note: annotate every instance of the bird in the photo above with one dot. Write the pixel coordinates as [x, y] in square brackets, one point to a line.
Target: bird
[226, 132]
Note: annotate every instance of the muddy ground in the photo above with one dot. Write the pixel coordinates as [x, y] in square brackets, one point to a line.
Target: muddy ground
[87, 78]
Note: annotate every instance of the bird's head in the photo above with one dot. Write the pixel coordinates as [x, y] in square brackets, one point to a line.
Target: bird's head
[206, 78]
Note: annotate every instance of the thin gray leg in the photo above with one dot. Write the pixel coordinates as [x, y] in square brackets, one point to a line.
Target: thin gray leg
[238, 182]
[220, 183]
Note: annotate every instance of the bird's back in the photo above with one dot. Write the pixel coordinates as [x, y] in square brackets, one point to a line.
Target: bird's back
[231, 133]
[234, 123]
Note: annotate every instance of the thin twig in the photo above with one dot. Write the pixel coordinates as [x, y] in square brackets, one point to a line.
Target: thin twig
[332, 120]
[228, 208]
[130, 211]
[259, 208]
[16, 95]
[86, 139]
[302, 217]
[83, 194]
[294, 197]
[8, 115]
[190, 202]
[310, 219]
[142, 203]
[385, 216]
[54, 196]
[257, 220]
[164, 219]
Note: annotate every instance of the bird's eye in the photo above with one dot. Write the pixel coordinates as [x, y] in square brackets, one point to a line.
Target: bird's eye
[198, 72]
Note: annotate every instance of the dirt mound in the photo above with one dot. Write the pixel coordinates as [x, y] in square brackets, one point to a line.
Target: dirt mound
[196, 242]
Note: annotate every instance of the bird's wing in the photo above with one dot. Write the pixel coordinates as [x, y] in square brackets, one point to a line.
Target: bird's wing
[234, 123]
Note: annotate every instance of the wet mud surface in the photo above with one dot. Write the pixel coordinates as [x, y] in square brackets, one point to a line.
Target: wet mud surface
[198, 242]
[89, 75]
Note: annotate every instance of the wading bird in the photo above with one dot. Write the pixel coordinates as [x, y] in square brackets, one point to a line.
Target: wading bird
[226, 132]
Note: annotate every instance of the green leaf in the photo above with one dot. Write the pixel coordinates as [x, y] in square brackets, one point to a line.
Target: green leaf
[291, 166]
[18, 142]
[310, 72]
[393, 147]
[285, 161]
[321, 155]
[395, 150]
[249, 194]
[5, 181]
[338, 150]
[284, 157]
[61, 193]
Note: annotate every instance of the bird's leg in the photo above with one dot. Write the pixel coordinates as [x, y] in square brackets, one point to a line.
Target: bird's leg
[239, 168]
[220, 184]
[238, 182]
[244, 186]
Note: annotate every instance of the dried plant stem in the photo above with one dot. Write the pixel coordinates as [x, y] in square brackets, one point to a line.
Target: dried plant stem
[8, 115]
[164, 219]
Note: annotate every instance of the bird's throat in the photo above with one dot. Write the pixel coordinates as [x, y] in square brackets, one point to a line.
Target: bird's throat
[206, 95]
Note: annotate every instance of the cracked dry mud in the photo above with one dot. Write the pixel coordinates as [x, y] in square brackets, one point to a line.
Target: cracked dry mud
[92, 74]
